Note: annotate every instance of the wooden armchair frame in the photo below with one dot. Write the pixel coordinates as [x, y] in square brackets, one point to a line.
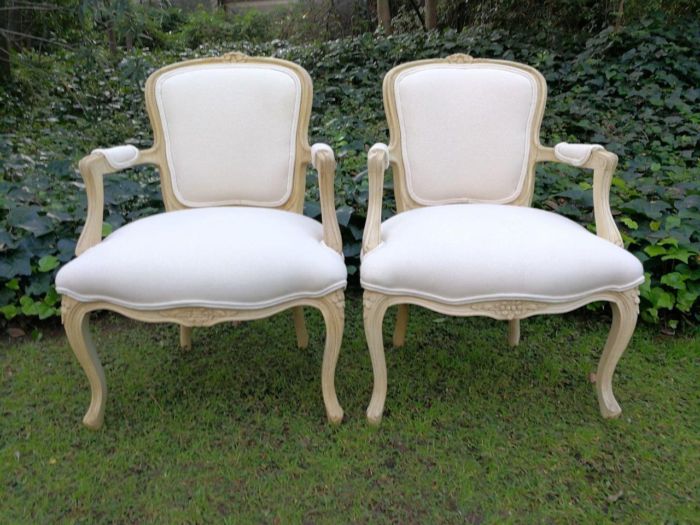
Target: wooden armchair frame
[624, 304]
[75, 314]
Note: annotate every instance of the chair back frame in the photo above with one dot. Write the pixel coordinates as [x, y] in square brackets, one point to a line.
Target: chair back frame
[404, 200]
[302, 155]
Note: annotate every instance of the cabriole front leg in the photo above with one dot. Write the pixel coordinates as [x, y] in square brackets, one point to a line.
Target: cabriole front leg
[624, 319]
[75, 317]
[375, 305]
[333, 310]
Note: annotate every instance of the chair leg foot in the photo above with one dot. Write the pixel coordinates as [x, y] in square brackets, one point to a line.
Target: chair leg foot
[625, 312]
[513, 332]
[401, 325]
[185, 337]
[374, 310]
[76, 323]
[300, 327]
[333, 311]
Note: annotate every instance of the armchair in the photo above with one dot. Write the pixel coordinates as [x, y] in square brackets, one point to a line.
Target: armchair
[231, 146]
[464, 145]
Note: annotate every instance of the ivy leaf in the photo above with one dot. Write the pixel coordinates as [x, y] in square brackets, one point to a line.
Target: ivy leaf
[668, 241]
[6, 240]
[52, 297]
[66, 249]
[29, 306]
[678, 254]
[632, 225]
[48, 263]
[352, 249]
[9, 311]
[654, 250]
[660, 298]
[674, 280]
[343, 213]
[45, 311]
[19, 263]
[312, 209]
[685, 300]
[28, 218]
[672, 221]
[39, 285]
[651, 209]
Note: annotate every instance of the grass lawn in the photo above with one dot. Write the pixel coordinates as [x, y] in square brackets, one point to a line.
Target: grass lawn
[234, 431]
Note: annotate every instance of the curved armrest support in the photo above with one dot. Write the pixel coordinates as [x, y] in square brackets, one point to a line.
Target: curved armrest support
[377, 164]
[323, 161]
[603, 164]
[92, 167]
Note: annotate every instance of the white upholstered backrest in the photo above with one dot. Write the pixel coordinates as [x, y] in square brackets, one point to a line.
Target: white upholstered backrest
[229, 132]
[466, 130]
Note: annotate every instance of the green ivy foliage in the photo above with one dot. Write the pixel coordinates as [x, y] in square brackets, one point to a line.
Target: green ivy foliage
[634, 91]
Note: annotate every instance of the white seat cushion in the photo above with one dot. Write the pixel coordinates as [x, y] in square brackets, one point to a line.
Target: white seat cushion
[243, 258]
[462, 253]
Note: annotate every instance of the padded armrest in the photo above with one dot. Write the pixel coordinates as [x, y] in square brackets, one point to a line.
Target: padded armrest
[119, 157]
[575, 154]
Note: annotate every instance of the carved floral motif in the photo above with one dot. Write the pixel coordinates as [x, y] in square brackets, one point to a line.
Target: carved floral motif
[199, 316]
[634, 292]
[338, 300]
[460, 58]
[506, 309]
[66, 307]
[371, 299]
[235, 56]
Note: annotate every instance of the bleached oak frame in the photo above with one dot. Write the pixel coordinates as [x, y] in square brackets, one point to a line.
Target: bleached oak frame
[75, 314]
[625, 305]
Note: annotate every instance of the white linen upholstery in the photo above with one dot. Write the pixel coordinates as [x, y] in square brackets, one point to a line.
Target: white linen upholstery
[575, 154]
[230, 132]
[242, 258]
[119, 157]
[463, 253]
[466, 131]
